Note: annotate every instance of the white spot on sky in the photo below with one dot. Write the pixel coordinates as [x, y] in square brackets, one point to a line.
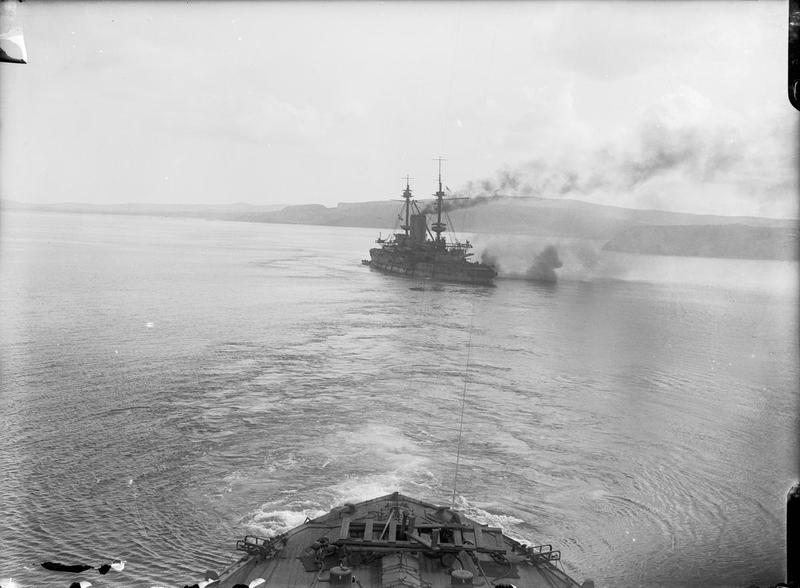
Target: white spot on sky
[149, 324]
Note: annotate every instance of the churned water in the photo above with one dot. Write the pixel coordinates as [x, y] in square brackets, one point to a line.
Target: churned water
[170, 385]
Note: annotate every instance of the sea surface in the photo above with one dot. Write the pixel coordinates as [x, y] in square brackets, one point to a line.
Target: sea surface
[170, 385]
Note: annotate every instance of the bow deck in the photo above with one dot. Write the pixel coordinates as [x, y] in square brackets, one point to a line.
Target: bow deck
[395, 541]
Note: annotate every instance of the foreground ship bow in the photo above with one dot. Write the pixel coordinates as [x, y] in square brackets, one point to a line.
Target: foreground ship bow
[412, 254]
[398, 542]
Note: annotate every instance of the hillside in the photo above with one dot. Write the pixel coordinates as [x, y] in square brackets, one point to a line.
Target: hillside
[738, 241]
[629, 230]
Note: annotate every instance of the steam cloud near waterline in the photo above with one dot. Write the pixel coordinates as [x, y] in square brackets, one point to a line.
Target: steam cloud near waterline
[542, 265]
[521, 257]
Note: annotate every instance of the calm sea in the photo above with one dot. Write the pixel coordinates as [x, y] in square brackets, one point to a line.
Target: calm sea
[171, 385]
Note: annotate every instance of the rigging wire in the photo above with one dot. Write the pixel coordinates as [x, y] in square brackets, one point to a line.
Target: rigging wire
[463, 404]
[423, 309]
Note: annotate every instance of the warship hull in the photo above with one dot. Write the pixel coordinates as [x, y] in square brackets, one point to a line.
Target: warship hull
[394, 541]
[465, 273]
[412, 254]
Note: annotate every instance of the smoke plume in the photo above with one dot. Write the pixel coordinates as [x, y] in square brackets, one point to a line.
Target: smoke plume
[523, 263]
[529, 258]
[679, 148]
[545, 265]
[462, 198]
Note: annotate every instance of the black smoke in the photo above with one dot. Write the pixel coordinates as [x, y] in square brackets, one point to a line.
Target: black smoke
[460, 199]
[679, 137]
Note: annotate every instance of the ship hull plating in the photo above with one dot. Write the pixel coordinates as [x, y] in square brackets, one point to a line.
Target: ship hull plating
[460, 272]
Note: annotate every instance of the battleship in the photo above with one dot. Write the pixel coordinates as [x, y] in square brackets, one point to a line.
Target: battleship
[422, 252]
[393, 541]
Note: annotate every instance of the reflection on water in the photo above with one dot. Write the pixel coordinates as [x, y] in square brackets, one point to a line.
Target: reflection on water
[170, 385]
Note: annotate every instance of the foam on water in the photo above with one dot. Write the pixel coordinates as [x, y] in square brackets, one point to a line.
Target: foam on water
[508, 523]
[269, 523]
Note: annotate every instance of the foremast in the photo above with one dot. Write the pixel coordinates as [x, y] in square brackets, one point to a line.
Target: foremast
[438, 227]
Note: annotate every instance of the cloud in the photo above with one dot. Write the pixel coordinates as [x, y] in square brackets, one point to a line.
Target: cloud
[267, 119]
[610, 41]
[586, 40]
[8, 12]
[247, 118]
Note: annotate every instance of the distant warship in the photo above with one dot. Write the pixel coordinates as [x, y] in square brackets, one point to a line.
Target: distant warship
[412, 254]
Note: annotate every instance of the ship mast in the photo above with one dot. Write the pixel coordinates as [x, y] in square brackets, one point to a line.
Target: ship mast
[407, 195]
[439, 226]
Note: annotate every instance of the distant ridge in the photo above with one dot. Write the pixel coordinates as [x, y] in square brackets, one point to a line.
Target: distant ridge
[624, 229]
[210, 211]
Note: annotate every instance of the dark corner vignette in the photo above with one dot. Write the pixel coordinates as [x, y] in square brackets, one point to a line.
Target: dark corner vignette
[793, 531]
[12, 43]
[794, 53]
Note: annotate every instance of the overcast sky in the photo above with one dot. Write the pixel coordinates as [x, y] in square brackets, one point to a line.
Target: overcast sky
[677, 106]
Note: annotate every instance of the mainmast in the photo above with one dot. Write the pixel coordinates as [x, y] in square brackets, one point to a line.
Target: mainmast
[407, 195]
[439, 226]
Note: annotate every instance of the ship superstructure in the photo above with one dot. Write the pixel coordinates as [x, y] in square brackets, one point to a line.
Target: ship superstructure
[423, 252]
[394, 542]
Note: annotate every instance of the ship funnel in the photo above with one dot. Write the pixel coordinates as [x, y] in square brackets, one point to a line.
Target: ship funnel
[419, 228]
